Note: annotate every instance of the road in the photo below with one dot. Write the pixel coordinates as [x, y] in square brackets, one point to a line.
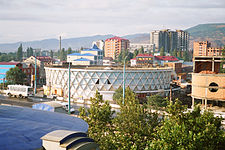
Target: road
[24, 102]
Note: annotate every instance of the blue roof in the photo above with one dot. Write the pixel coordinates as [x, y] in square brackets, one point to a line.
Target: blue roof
[21, 128]
[94, 48]
[82, 59]
[79, 54]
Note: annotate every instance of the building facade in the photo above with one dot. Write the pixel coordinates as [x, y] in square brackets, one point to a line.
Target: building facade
[203, 48]
[85, 81]
[147, 47]
[94, 55]
[114, 45]
[170, 40]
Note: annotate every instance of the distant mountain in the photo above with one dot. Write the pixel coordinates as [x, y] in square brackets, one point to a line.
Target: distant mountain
[74, 43]
[214, 33]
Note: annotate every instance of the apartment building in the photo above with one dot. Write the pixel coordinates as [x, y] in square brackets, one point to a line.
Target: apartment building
[114, 45]
[203, 48]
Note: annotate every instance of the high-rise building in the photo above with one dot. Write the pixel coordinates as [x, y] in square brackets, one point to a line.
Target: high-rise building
[204, 48]
[170, 40]
[114, 45]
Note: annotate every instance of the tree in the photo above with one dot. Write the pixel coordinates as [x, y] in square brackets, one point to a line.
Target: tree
[31, 51]
[69, 51]
[141, 50]
[20, 53]
[136, 52]
[28, 52]
[51, 54]
[157, 101]
[188, 130]
[15, 76]
[99, 120]
[123, 54]
[134, 125]
[179, 54]
[185, 56]
[62, 56]
[162, 53]
[175, 52]
[118, 94]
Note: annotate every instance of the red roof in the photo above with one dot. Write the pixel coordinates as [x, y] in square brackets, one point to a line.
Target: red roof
[45, 58]
[133, 59]
[9, 63]
[166, 58]
[115, 38]
[144, 55]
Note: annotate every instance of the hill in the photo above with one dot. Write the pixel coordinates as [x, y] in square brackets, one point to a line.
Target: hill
[215, 33]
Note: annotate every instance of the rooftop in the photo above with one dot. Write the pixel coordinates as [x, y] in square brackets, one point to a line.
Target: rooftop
[116, 38]
[82, 59]
[9, 63]
[94, 48]
[144, 55]
[79, 54]
[166, 58]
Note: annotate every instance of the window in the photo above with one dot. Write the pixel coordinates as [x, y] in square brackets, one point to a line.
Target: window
[214, 87]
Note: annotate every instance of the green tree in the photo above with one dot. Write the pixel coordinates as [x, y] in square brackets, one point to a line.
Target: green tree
[62, 56]
[185, 56]
[31, 51]
[188, 130]
[157, 101]
[118, 94]
[124, 54]
[162, 53]
[15, 76]
[179, 54]
[136, 52]
[20, 53]
[141, 50]
[69, 51]
[174, 53]
[134, 125]
[28, 52]
[99, 120]
[51, 54]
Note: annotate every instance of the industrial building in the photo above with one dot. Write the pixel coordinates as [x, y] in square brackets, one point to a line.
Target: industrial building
[86, 80]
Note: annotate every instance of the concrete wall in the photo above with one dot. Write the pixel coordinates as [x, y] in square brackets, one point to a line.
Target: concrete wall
[201, 89]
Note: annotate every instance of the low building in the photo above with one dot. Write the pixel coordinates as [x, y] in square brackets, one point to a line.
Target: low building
[107, 61]
[92, 56]
[28, 69]
[144, 59]
[160, 60]
[147, 47]
[133, 62]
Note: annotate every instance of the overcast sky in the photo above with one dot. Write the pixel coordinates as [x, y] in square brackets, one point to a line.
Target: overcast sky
[27, 20]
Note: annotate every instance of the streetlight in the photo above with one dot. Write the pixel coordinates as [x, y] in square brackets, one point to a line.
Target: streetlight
[124, 65]
[69, 90]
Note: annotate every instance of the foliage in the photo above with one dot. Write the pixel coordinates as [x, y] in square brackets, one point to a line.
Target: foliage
[134, 125]
[136, 52]
[20, 53]
[185, 56]
[118, 94]
[15, 76]
[62, 55]
[99, 120]
[157, 101]
[51, 54]
[141, 50]
[69, 51]
[174, 53]
[179, 54]
[162, 53]
[5, 57]
[190, 130]
[30, 51]
[122, 56]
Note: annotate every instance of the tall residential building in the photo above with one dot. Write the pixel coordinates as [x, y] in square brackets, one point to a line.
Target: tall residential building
[182, 40]
[100, 44]
[114, 45]
[170, 40]
[204, 48]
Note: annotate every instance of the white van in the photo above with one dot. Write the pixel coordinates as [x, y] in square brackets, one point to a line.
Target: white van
[19, 91]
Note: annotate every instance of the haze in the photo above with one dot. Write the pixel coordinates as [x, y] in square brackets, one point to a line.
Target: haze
[26, 20]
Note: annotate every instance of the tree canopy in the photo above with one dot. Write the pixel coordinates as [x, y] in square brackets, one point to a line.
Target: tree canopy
[20, 53]
[15, 76]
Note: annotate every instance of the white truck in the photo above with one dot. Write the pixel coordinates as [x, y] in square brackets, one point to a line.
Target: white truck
[21, 91]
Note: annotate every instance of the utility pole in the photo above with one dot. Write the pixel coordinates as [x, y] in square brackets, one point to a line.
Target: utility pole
[35, 76]
[124, 67]
[69, 90]
[60, 45]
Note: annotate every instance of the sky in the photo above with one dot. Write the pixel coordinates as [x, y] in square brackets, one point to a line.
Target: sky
[28, 20]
